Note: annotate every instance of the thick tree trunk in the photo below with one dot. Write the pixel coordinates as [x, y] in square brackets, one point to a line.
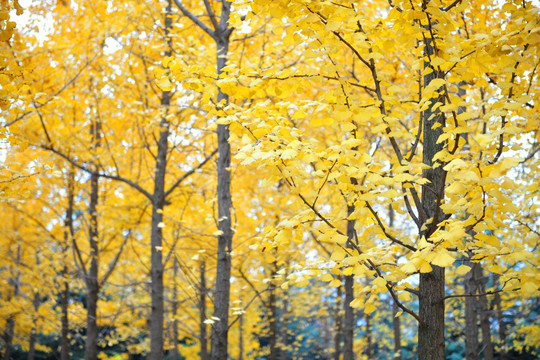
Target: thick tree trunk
[471, 315]
[349, 319]
[339, 327]
[223, 269]
[202, 312]
[158, 202]
[8, 337]
[431, 290]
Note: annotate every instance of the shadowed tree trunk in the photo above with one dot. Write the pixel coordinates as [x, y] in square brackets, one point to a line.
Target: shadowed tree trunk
[8, 337]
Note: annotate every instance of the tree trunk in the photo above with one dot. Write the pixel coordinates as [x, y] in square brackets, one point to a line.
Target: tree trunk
[272, 314]
[398, 351]
[431, 290]
[500, 320]
[68, 237]
[64, 342]
[8, 337]
[92, 285]
[349, 320]
[158, 202]
[483, 308]
[369, 337]
[471, 314]
[339, 327]
[284, 328]
[202, 312]
[241, 337]
[174, 310]
[223, 269]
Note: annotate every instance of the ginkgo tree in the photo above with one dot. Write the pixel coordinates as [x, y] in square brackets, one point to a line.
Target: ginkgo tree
[448, 91]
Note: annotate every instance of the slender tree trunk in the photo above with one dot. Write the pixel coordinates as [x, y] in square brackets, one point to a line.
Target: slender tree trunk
[241, 337]
[64, 297]
[369, 336]
[284, 327]
[396, 320]
[272, 312]
[202, 312]
[471, 315]
[431, 290]
[174, 310]
[64, 342]
[483, 308]
[338, 330]
[158, 202]
[398, 351]
[223, 270]
[92, 285]
[500, 321]
[349, 319]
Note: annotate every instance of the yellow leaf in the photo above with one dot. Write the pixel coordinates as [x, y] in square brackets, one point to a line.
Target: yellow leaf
[369, 308]
[442, 259]
[529, 289]
[338, 254]
[289, 154]
[335, 283]
[462, 270]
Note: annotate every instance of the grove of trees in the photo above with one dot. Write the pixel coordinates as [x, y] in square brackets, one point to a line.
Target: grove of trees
[269, 179]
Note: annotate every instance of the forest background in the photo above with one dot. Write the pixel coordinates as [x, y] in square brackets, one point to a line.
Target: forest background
[287, 179]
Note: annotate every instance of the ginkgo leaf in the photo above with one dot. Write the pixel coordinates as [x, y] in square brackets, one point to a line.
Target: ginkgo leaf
[338, 254]
[463, 269]
[289, 154]
[442, 259]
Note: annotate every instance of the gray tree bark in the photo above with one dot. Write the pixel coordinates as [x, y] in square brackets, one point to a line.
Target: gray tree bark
[338, 331]
[272, 314]
[220, 329]
[68, 235]
[483, 309]
[158, 203]
[431, 290]
[500, 321]
[398, 351]
[174, 310]
[202, 312]
[471, 315]
[92, 284]
[349, 318]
